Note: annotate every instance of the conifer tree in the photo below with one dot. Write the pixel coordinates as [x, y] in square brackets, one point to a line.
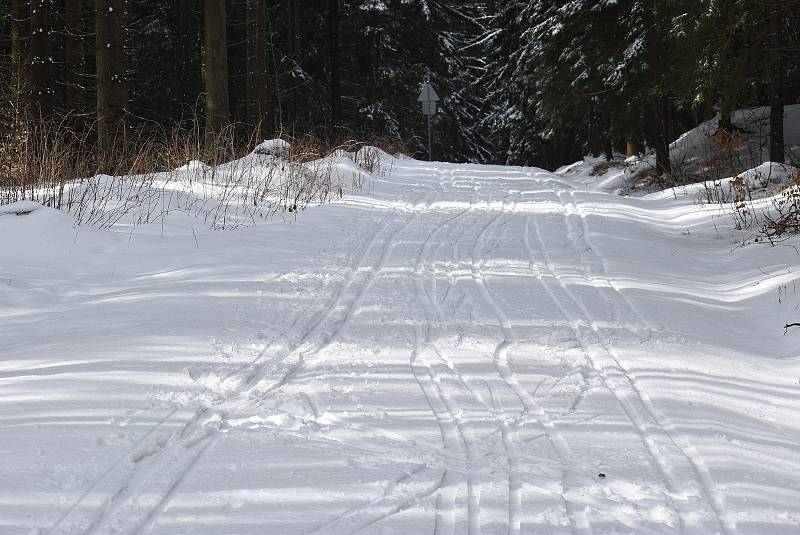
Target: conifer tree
[73, 55]
[257, 63]
[19, 36]
[41, 58]
[112, 85]
[215, 71]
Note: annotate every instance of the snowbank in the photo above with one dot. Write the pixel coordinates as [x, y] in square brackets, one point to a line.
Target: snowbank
[692, 151]
[19, 208]
[279, 148]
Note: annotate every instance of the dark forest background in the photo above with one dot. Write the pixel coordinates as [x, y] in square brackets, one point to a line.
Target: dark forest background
[522, 82]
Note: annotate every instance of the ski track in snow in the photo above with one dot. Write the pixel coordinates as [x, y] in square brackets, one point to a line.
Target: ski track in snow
[176, 458]
[498, 434]
[577, 517]
[679, 441]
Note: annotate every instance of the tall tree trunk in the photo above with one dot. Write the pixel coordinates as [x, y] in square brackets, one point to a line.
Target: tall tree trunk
[295, 42]
[334, 22]
[631, 131]
[594, 140]
[184, 22]
[776, 140]
[112, 85]
[663, 163]
[608, 128]
[295, 46]
[19, 36]
[257, 64]
[41, 58]
[273, 75]
[216, 69]
[73, 55]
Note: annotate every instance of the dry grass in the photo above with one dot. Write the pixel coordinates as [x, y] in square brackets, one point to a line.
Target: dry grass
[156, 171]
[603, 167]
[786, 219]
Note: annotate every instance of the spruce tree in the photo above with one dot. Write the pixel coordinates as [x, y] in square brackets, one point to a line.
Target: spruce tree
[41, 58]
[112, 85]
[215, 68]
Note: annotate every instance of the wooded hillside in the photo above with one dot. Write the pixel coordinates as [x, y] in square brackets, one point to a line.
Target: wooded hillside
[523, 82]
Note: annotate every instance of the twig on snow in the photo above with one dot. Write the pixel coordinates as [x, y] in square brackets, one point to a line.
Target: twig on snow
[788, 326]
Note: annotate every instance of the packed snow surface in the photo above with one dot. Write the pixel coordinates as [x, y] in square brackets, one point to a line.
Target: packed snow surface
[458, 349]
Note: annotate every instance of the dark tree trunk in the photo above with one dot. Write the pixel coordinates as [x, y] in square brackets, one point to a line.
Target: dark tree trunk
[73, 56]
[372, 62]
[41, 60]
[631, 131]
[663, 163]
[112, 85]
[608, 148]
[19, 37]
[273, 76]
[334, 21]
[776, 140]
[592, 129]
[257, 63]
[185, 22]
[608, 129]
[295, 45]
[725, 121]
[216, 68]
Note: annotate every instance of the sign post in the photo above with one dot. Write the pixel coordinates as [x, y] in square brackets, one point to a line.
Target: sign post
[430, 105]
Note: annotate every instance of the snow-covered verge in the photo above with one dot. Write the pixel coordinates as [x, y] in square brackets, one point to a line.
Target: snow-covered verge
[456, 349]
[696, 153]
[269, 181]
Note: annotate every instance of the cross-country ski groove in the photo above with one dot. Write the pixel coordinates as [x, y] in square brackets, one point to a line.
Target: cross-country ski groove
[453, 437]
[455, 349]
[432, 328]
[170, 464]
[600, 355]
[678, 440]
[577, 518]
[593, 357]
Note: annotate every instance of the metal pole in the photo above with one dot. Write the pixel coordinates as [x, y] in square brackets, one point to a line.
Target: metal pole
[430, 138]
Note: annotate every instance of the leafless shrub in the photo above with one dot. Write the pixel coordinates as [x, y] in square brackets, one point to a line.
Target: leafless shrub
[153, 172]
[785, 220]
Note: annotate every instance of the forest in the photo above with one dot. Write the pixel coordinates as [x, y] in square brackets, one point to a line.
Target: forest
[523, 82]
[239, 296]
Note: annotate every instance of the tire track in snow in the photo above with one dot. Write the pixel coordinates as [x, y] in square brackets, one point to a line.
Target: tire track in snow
[679, 440]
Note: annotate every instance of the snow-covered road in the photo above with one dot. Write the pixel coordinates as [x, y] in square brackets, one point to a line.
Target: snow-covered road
[459, 349]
